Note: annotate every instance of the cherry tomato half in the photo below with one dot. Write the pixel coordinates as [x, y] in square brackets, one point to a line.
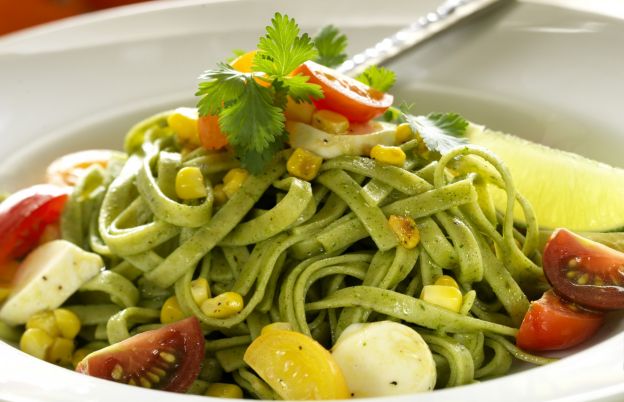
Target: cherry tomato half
[355, 100]
[296, 366]
[554, 324]
[24, 216]
[168, 358]
[584, 271]
[66, 170]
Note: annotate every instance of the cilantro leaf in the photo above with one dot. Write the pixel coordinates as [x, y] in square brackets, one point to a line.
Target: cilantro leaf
[224, 86]
[441, 132]
[379, 78]
[282, 50]
[252, 120]
[331, 46]
[301, 90]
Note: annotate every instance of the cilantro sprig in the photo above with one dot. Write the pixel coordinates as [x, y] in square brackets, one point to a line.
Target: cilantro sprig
[251, 115]
[379, 78]
[331, 46]
[441, 132]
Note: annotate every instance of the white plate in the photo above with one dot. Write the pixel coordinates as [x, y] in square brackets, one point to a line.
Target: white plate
[549, 74]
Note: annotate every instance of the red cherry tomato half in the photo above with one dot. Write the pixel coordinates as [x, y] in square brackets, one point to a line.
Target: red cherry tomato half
[553, 324]
[584, 271]
[353, 99]
[168, 358]
[24, 217]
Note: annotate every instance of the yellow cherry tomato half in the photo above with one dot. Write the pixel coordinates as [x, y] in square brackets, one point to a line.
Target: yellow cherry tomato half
[296, 366]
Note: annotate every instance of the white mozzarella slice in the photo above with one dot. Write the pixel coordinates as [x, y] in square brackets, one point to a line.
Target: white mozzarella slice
[384, 358]
[47, 277]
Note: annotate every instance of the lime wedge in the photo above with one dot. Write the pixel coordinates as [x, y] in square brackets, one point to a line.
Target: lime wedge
[565, 189]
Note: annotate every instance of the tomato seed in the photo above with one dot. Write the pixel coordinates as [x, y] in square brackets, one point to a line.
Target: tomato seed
[117, 372]
[583, 279]
[145, 382]
[168, 357]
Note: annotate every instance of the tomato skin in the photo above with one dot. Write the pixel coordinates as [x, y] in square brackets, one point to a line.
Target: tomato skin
[210, 134]
[66, 170]
[24, 216]
[553, 324]
[296, 366]
[142, 354]
[583, 271]
[355, 100]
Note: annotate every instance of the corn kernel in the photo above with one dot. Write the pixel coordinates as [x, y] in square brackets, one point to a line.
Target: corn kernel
[183, 121]
[403, 133]
[36, 342]
[276, 326]
[224, 305]
[68, 323]
[447, 297]
[171, 311]
[61, 351]
[388, 154]
[220, 197]
[189, 183]
[446, 280]
[301, 111]
[405, 229]
[45, 321]
[233, 180]
[223, 390]
[330, 122]
[304, 164]
[4, 293]
[200, 290]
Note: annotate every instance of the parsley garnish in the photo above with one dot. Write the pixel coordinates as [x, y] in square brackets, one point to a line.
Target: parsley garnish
[441, 132]
[331, 46]
[252, 115]
[379, 78]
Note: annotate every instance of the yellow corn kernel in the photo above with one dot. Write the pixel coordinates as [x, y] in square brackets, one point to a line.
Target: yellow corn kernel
[330, 122]
[304, 164]
[4, 293]
[220, 197]
[61, 352]
[403, 133]
[183, 121]
[223, 390]
[45, 321]
[446, 280]
[68, 323]
[233, 180]
[388, 154]
[36, 342]
[200, 290]
[301, 111]
[189, 183]
[444, 296]
[276, 326]
[171, 311]
[405, 229]
[224, 305]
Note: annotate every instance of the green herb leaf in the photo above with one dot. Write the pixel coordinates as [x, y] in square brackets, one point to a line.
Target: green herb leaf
[331, 46]
[300, 90]
[441, 132]
[379, 78]
[282, 50]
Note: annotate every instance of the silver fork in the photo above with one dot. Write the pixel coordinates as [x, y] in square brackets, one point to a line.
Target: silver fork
[448, 14]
